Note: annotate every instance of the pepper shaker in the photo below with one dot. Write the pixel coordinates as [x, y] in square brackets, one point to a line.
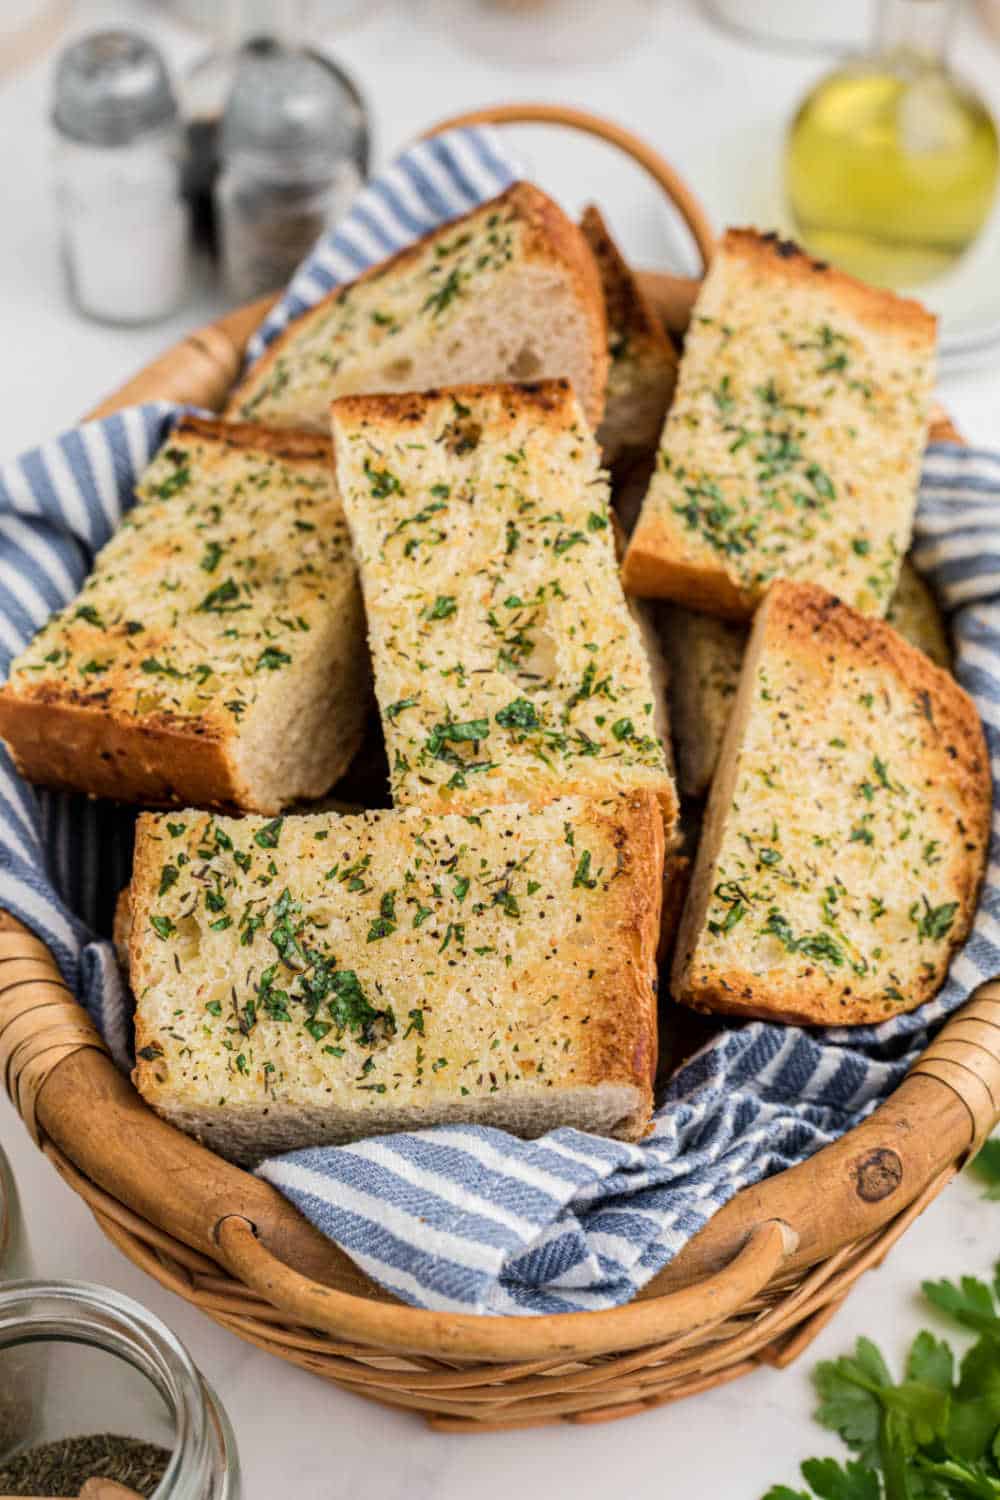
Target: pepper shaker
[292, 132]
[124, 226]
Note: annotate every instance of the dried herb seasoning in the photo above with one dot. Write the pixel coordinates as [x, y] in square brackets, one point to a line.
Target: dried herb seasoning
[63, 1467]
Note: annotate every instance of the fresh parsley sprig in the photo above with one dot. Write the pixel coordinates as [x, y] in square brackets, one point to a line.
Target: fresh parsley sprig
[933, 1435]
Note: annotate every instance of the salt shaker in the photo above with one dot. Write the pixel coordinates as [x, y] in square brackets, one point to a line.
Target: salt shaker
[123, 223]
[289, 151]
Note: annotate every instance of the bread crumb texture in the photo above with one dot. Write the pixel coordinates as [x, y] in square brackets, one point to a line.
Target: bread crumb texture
[227, 595]
[793, 444]
[507, 663]
[320, 978]
[508, 292]
[848, 825]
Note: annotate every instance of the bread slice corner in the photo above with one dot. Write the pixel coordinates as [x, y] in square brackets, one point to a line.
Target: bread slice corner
[847, 827]
[509, 291]
[793, 443]
[643, 361]
[216, 653]
[705, 655]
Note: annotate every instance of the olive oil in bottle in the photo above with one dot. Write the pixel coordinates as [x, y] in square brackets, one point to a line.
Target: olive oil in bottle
[891, 162]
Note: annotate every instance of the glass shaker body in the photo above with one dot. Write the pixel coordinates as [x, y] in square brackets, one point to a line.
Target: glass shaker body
[84, 1360]
[124, 226]
[293, 134]
[269, 220]
[122, 221]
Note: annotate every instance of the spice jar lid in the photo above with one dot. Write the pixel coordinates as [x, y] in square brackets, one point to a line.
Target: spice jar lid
[292, 108]
[110, 88]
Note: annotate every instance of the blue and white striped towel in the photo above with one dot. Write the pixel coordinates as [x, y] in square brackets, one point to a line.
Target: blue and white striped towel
[467, 1218]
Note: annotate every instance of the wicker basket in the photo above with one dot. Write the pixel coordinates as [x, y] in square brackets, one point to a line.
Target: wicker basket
[754, 1286]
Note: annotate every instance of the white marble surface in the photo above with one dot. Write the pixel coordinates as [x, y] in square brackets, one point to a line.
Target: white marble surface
[710, 104]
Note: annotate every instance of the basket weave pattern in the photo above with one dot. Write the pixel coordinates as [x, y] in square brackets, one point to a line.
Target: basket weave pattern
[754, 1287]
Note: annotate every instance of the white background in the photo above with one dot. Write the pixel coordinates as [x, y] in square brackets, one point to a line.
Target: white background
[715, 106]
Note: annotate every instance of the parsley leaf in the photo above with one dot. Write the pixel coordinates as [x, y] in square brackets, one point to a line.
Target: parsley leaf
[986, 1166]
[519, 714]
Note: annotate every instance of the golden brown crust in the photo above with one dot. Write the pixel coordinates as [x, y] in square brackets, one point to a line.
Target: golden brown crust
[554, 232]
[276, 442]
[121, 927]
[642, 361]
[676, 881]
[623, 1042]
[154, 761]
[810, 625]
[546, 399]
[628, 308]
[550, 235]
[652, 573]
[875, 306]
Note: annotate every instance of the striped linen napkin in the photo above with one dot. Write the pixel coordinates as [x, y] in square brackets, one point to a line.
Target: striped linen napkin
[468, 1218]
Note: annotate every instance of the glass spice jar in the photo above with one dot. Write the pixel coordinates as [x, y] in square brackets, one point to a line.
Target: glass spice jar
[104, 1388]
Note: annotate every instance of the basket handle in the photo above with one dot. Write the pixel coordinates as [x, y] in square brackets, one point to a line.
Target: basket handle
[470, 1336]
[666, 176]
[199, 370]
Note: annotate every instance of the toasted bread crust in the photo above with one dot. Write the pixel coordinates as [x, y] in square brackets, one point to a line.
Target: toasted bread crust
[554, 231]
[628, 308]
[551, 236]
[948, 772]
[548, 400]
[623, 1044]
[156, 761]
[650, 571]
[276, 442]
[642, 368]
[869, 304]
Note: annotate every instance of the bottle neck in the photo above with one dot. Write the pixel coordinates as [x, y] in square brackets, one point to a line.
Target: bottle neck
[915, 31]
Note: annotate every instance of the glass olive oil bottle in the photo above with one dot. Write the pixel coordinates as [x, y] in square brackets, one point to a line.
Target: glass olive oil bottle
[891, 162]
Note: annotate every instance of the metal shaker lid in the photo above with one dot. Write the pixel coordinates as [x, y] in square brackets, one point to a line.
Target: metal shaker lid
[111, 87]
[292, 107]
